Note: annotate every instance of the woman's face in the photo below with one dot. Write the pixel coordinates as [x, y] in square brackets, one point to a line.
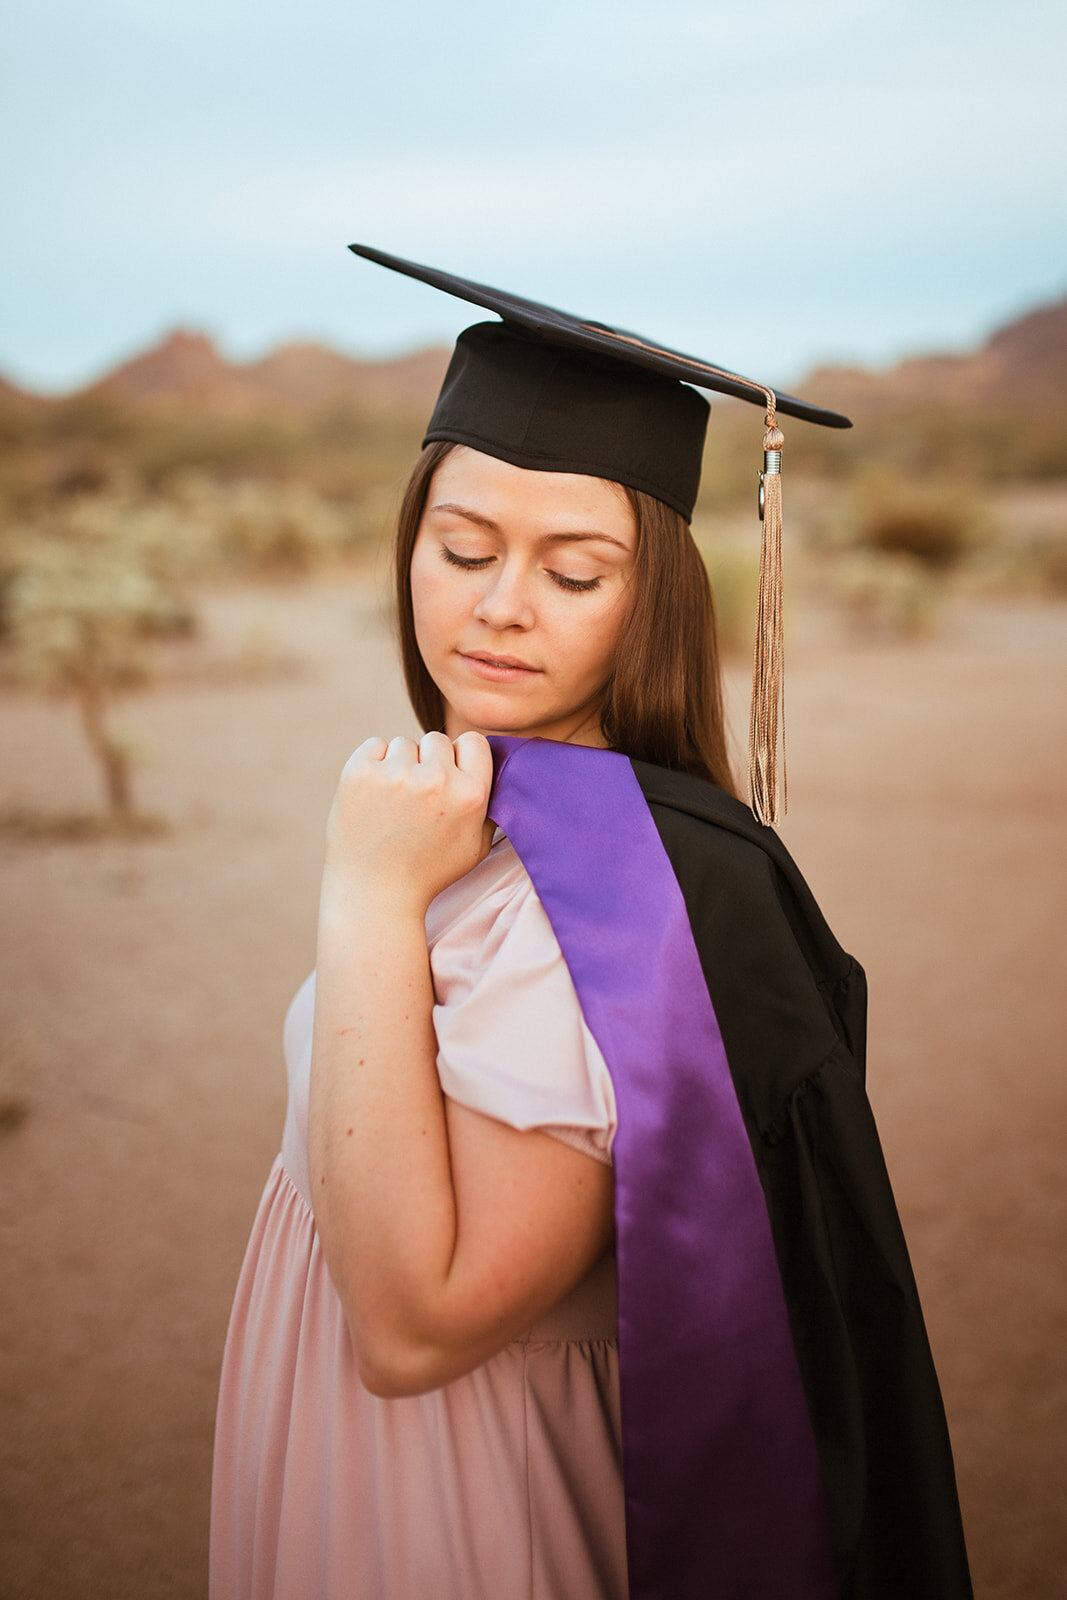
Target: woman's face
[520, 585]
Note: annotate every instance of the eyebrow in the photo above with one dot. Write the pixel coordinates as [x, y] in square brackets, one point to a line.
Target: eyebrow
[549, 538]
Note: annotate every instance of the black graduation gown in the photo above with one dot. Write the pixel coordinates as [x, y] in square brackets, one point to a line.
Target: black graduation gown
[853, 1306]
[882, 1522]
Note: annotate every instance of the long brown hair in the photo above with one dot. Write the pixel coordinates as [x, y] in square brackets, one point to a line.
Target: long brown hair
[663, 701]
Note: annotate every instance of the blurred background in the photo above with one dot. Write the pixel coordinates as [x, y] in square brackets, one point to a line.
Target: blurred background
[208, 409]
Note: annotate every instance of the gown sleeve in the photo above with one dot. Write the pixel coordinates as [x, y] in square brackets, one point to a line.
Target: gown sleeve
[512, 1041]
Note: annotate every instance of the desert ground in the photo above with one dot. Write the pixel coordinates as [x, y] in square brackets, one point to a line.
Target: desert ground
[143, 984]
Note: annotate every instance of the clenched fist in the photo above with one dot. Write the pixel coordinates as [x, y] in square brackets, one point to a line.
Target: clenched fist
[408, 819]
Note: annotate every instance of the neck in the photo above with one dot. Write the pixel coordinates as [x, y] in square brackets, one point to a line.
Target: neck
[580, 729]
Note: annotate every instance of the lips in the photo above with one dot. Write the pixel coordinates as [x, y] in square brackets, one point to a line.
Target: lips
[498, 661]
[498, 669]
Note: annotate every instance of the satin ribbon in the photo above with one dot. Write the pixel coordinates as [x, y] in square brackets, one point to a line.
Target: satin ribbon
[723, 1488]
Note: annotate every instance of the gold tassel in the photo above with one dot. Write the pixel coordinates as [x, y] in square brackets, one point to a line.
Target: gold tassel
[766, 733]
[767, 725]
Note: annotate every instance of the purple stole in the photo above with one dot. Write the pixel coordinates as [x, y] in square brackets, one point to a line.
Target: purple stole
[724, 1496]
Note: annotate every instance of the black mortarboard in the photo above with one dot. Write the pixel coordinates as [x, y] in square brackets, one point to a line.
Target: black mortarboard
[556, 409]
[557, 393]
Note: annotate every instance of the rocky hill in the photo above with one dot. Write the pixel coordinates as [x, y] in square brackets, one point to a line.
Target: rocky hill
[185, 368]
[1022, 365]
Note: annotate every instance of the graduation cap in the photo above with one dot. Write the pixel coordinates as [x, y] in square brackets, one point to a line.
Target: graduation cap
[553, 392]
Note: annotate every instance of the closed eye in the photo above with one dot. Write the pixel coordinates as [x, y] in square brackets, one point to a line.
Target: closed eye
[472, 563]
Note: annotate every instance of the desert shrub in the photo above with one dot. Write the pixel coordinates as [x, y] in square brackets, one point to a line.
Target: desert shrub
[81, 605]
[936, 524]
[734, 578]
[886, 596]
[12, 546]
[935, 535]
[372, 519]
[126, 531]
[226, 448]
[286, 527]
[271, 529]
[1050, 567]
[981, 442]
[733, 570]
[81, 475]
[91, 416]
[349, 452]
[18, 422]
[1035, 567]
[20, 484]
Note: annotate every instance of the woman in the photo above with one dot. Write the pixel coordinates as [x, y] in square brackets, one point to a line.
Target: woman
[508, 1066]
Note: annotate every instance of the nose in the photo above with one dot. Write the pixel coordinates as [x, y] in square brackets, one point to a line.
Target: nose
[505, 601]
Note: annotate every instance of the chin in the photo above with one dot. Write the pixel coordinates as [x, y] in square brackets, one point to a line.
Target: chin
[492, 714]
[496, 712]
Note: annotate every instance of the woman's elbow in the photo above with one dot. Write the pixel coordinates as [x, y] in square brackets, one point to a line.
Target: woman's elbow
[388, 1381]
[390, 1363]
[395, 1363]
[396, 1355]
[394, 1371]
[382, 1362]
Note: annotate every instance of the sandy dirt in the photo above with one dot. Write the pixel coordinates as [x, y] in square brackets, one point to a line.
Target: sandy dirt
[144, 985]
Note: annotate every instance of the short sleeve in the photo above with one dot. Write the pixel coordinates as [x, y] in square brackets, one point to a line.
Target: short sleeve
[512, 1041]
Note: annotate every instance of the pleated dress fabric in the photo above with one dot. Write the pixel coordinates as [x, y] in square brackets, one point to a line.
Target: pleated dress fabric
[506, 1482]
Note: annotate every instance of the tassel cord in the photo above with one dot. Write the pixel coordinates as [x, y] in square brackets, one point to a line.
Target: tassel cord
[767, 775]
[768, 787]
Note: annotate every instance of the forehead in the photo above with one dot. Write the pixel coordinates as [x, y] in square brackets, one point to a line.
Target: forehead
[519, 499]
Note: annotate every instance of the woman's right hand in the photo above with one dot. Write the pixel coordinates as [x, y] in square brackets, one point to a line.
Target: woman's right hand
[408, 819]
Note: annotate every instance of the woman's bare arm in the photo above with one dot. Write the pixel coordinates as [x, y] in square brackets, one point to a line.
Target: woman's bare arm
[446, 1233]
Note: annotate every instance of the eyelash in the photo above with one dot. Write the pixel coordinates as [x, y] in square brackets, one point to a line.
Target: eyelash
[472, 563]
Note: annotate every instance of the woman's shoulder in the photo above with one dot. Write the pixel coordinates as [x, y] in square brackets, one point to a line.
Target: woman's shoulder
[718, 849]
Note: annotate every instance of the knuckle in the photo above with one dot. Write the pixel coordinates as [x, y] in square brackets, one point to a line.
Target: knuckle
[371, 750]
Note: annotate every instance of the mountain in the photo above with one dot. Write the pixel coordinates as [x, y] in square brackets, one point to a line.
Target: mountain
[1022, 365]
[310, 376]
[12, 395]
[185, 368]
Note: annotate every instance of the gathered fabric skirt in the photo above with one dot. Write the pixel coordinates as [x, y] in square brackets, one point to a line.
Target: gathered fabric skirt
[506, 1482]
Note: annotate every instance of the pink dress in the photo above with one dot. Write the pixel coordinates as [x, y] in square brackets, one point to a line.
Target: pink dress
[505, 1484]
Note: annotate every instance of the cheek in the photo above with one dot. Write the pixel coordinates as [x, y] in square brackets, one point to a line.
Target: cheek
[433, 605]
[589, 648]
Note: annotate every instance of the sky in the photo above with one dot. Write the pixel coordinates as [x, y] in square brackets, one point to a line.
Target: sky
[765, 185]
